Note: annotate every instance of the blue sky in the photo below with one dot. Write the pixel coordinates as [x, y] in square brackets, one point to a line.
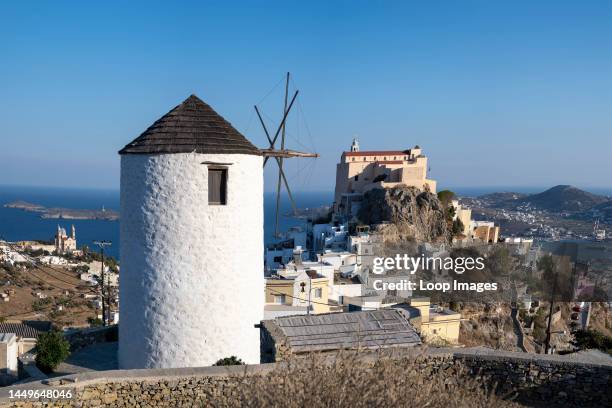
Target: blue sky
[497, 93]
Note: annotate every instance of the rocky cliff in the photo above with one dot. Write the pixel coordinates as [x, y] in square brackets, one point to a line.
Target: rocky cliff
[406, 214]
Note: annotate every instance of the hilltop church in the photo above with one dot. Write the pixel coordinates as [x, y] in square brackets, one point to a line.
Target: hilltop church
[361, 171]
[65, 244]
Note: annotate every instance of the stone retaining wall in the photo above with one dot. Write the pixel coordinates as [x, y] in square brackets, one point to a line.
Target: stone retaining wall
[545, 379]
[536, 379]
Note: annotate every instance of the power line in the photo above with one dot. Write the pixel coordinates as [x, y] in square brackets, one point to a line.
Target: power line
[36, 266]
[295, 297]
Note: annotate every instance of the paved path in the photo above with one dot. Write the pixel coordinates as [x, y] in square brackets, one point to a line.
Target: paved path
[518, 331]
[97, 357]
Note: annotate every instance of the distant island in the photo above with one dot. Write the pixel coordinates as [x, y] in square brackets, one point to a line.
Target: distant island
[65, 213]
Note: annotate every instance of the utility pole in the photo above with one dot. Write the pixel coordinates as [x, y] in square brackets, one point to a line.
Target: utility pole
[102, 245]
[309, 290]
[550, 313]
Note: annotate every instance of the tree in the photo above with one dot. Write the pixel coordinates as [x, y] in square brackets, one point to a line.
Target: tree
[446, 196]
[52, 348]
[228, 361]
[81, 269]
[457, 226]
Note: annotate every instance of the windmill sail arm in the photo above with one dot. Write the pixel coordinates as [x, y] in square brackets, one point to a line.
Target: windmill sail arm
[286, 153]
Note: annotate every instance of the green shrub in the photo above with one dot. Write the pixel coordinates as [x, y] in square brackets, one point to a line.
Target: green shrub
[51, 349]
[40, 304]
[227, 361]
[592, 339]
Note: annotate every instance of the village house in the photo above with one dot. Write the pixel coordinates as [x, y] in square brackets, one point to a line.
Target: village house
[8, 358]
[464, 215]
[330, 236]
[278, 254]
[434, 323]
[284, 337]
[26, 332]
[485, 231]
[8, 255]
[296, 290]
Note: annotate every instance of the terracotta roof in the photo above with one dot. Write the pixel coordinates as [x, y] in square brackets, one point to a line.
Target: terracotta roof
[192, 126]
[377, 153]
[389, 161]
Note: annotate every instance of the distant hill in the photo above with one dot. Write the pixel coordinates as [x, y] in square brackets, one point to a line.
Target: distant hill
[561, 198]
[564, 198]
[501, 199]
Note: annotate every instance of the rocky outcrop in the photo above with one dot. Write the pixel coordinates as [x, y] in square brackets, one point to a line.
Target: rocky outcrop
[406, 213]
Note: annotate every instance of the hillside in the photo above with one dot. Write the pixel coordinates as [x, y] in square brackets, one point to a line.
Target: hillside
[501, 199]
[563, 198]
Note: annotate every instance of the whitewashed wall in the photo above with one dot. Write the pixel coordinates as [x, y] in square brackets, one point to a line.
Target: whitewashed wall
[191, 284]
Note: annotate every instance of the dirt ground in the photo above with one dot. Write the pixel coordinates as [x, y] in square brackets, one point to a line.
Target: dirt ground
[62, 291]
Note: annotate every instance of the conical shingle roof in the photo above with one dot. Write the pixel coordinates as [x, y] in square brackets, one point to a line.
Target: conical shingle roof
[192, 126]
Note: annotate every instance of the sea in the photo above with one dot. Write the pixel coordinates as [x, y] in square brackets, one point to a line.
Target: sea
[17, 224]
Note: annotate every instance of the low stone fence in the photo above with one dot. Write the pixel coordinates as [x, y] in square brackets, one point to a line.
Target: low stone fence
[538, 380]
[139, 388]
[545, 379]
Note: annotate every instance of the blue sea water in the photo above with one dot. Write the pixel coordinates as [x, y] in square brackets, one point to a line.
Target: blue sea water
[16, 224]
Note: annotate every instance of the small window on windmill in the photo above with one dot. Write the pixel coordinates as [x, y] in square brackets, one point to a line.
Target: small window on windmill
[217, 186]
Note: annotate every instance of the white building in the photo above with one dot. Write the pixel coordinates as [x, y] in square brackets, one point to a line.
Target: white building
[53, 260]
[280, 253]
[8, 358]
[191, 287]
[8, 255]
[329, 236]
